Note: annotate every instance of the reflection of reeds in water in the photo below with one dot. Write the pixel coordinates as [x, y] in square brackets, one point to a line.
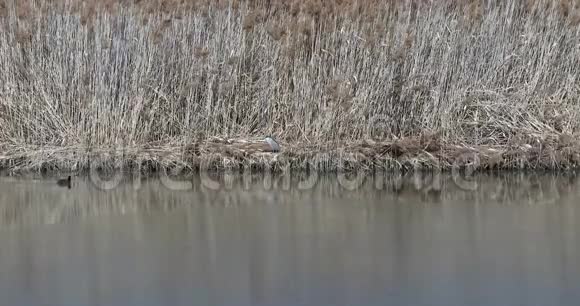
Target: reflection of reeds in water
[80, 77]
[41, 202]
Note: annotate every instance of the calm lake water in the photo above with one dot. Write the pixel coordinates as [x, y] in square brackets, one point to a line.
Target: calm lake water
[417, 240]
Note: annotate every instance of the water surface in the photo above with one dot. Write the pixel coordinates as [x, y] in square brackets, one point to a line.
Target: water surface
[512, 240]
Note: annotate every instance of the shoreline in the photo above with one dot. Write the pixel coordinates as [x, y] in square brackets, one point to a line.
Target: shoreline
[427, 152]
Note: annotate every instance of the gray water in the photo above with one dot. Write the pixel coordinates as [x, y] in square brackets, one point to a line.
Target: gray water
[509, 240]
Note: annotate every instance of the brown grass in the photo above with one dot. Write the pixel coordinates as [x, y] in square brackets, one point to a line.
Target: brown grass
[337, 82]
[426, 152]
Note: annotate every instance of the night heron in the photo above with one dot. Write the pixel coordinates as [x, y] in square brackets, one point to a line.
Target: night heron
[273, 144]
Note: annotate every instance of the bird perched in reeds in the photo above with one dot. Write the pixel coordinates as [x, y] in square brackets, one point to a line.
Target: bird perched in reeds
[274, 146]
[64, 182]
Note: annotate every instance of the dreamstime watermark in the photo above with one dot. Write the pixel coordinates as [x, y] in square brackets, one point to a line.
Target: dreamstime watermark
[116, 167]
[119, 169]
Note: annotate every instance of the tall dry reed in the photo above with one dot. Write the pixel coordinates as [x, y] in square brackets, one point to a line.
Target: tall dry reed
[88, 75]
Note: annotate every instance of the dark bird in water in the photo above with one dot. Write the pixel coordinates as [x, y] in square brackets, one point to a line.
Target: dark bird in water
[64, 182]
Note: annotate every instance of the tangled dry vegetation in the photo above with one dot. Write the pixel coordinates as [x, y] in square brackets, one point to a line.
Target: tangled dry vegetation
[341, 83]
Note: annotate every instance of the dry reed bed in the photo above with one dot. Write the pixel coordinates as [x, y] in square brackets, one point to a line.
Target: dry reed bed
[337, 82]
[427, 152]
